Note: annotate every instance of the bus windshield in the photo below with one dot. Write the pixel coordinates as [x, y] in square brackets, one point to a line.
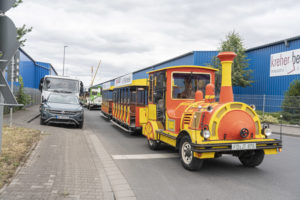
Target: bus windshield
[61, 85]
[94, 92]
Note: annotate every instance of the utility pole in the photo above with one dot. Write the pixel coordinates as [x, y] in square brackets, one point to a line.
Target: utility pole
[12, 89]
[64, 60]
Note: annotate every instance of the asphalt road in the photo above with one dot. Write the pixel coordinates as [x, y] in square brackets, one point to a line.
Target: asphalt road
[278, 177]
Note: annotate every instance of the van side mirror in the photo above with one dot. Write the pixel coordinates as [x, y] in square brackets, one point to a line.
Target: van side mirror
[41, 84]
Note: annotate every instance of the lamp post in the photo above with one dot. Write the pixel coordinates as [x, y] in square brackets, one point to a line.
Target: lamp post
[64, 60]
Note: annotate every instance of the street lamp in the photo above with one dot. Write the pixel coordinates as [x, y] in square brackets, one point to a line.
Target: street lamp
[64, 59]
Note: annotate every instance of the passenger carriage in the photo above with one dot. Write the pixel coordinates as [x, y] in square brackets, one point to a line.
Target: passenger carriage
[129, 101]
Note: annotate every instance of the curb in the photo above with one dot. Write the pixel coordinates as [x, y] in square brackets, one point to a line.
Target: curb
[116, 183]
[30, 120]
[287, 134]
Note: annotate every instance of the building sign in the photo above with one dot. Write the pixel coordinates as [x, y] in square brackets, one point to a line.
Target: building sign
[106, 86]
[285, 63]
[123, 80]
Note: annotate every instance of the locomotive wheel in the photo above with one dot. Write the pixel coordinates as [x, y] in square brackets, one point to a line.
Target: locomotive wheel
[252, 158]
[187, 158]
[153, 144]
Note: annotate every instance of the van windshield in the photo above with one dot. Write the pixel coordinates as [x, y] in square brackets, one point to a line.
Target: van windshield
[64, 99]
[61, 85]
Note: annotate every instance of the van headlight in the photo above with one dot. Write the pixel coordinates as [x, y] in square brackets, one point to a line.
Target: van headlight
[206, 133]
[267, 132]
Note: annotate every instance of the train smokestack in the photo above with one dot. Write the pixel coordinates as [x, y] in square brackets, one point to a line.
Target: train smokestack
[226, 93]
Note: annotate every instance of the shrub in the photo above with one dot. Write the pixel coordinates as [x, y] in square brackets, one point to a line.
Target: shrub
[22, 98]
[291, 103]
[268, 119]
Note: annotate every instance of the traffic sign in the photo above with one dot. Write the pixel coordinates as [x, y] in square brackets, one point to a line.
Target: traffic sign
[5, 5]
[8, 38]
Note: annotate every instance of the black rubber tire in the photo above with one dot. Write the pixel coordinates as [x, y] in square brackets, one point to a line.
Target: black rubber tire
[252, 158]
[195, 163]
[153, 144]
[80, 125]
[42, 122]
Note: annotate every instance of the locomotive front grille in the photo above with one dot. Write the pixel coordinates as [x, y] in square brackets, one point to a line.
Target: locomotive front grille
[187, 118]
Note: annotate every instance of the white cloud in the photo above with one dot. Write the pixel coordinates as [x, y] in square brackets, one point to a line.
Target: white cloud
[131, 34]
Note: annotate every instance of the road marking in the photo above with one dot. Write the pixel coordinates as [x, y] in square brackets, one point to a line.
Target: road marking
[145, 156]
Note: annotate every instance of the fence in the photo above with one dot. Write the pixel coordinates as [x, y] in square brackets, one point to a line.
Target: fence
[287, 106]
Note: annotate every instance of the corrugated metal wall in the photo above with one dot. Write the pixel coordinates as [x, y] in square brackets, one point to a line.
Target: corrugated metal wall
[27, 70]
[41, 69]
[204, 58]
[259, 62]
[187, 59]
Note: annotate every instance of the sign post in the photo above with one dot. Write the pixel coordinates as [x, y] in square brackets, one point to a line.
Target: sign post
[8, 47]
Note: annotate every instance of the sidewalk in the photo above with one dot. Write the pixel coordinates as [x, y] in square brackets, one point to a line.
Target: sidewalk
[286, 130]
[64, 165]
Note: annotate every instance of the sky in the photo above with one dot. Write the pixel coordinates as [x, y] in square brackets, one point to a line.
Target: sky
[127, 35]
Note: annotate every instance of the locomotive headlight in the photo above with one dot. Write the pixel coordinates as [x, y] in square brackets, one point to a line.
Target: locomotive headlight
[268, 132]
[206, 133]
[253, 106]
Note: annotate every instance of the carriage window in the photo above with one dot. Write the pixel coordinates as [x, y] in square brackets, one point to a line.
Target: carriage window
[186, 84]
[133, 97]
[109, 95]
[141, 96]
[150, 88]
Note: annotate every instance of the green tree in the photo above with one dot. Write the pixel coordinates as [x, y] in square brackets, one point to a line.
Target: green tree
[23, 30]
[291, 103]
[241, 74]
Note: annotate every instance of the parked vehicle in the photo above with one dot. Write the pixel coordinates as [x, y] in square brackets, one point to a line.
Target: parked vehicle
[177, 106]
[60, 84]
[94, 99]
[62, 109]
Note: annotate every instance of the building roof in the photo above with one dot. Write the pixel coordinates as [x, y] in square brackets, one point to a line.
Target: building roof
[285, 41]
[35, 62]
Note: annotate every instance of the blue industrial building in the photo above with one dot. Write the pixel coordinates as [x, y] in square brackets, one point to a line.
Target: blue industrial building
[32, 72]
[268, 88]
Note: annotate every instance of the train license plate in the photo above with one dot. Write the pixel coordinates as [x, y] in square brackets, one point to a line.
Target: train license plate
[62, 117]
[243, 146]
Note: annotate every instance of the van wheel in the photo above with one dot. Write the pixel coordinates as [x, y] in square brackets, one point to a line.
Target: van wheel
[187, 158]
[153, 144]
[42, 122]
[80, 125]
[252, 158]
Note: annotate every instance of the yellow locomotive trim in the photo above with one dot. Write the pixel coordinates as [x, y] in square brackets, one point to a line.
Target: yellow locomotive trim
[270, 151]
[205, 155]
[210, 96]
[237, 141]
[137, 82]
[185, 66]
[226, 77]
[111, 88]
[224, 109]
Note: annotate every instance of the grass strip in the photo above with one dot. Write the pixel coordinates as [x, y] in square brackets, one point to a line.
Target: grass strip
[16, 143]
